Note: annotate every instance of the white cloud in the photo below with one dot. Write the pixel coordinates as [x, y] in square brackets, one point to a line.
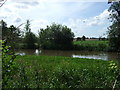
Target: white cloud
[93, 23]
[43, 13]
[104, 15]
[25, 9]
[100, 19]
[102, 30]
[37, 24]
[93, 26]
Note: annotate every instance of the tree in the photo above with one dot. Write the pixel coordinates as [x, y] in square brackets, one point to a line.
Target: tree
[13, 36]
[114, 29]
[29, 38]
[3, 30]
[27, 26]
[79, 38]
[10, 34]
[83, 38]
[56, 36]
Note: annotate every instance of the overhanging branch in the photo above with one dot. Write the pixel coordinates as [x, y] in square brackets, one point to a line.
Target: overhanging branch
[3, 3]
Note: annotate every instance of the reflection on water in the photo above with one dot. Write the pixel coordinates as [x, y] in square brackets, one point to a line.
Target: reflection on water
[21, 53]
[79, 54]
[37, 52]
[92, 56]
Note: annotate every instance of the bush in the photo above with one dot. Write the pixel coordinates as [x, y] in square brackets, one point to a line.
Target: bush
[8, 64]
[56, 37]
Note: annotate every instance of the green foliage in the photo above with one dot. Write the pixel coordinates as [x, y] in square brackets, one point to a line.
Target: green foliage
[56, 37]
[94, 45]
[10, 34]
[3, 29]
[83, 38]
[114, 36]
[63, 72]
[13, 37]
[27, 26]
[29, 39]
[8, 64]
[114, 29]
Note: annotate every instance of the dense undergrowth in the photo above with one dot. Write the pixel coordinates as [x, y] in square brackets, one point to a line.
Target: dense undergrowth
[62, 72]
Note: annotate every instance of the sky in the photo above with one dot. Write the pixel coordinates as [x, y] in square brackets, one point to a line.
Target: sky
[84, 17]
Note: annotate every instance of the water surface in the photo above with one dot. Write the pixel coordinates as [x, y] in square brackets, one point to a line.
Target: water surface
[75, 54]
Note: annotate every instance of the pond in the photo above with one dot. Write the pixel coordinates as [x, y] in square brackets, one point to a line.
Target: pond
[74, 54]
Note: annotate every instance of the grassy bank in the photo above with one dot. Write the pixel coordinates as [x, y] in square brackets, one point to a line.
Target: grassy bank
[62, 72]
[91, 45]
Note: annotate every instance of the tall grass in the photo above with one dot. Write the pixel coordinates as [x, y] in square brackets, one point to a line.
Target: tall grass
[94, 45]
[61, 72]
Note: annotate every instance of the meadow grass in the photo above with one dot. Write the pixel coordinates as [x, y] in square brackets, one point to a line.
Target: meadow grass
[61, 72]
[93, 42]
[91, 45]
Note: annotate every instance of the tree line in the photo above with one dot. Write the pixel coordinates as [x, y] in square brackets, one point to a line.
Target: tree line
[57, 36]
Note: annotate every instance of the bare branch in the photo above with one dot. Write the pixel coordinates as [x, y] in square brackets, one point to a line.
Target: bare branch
[3, 3]
[21, 24]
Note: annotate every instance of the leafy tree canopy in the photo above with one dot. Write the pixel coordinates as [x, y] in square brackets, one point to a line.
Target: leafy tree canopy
[114, 29]
[56, 36]
[11, 34]
[29, 39]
